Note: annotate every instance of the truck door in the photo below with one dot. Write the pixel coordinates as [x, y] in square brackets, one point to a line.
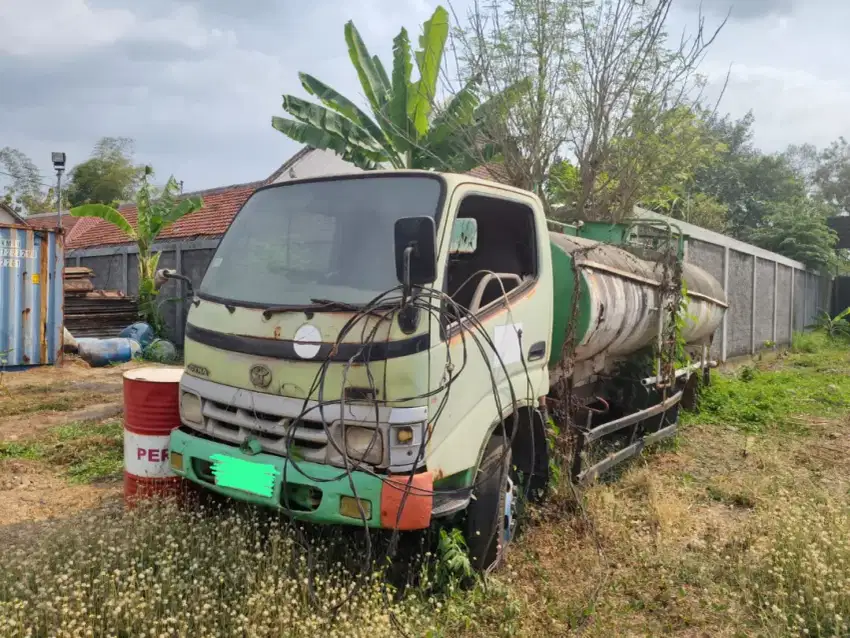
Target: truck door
[495, 318]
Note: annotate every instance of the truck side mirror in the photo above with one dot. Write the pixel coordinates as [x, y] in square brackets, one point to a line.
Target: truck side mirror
[415, 251]
[162, 276]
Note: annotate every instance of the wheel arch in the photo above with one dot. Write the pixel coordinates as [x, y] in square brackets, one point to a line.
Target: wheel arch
[525, 429]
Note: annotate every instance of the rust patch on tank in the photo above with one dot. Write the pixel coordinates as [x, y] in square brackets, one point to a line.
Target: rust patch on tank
[277, 332]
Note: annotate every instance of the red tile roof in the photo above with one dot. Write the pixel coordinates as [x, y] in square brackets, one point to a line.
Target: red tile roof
[220, 207]
[492, 171]
[48, 220]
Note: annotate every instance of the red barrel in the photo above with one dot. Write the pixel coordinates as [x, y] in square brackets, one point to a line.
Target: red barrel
[151, 412]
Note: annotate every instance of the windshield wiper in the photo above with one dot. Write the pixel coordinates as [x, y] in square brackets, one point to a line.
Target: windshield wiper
[317, 305]
[330, 304]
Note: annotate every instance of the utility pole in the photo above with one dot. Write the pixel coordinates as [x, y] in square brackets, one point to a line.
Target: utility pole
[59, 165]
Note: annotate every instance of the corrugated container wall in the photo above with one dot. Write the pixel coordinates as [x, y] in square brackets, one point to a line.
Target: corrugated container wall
[31, 296]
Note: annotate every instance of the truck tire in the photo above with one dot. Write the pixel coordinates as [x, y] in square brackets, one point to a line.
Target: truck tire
[488, 525]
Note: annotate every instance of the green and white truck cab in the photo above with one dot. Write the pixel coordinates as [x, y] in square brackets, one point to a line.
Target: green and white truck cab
[376, 349]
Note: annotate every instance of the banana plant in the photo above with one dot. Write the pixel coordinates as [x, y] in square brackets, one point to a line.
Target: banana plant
[404, 129]
[156, 211]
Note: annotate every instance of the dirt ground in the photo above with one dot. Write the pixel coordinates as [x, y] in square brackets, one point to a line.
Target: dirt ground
[32, 404]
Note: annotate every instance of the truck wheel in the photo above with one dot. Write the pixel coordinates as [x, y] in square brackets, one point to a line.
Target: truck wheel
[491, 515]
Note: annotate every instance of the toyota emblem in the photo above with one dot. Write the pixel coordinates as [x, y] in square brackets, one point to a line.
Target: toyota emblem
[261, 376]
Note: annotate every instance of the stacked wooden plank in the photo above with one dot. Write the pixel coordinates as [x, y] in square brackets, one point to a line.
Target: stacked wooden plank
[95, 313]
[78, 279]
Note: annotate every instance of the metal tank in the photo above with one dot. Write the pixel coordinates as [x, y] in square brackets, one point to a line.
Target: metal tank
[31, 296]
[618, 299]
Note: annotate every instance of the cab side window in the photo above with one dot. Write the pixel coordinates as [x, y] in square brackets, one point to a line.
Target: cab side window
[504, 256]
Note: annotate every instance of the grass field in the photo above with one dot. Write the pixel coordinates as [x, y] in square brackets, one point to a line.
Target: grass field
[739, 527]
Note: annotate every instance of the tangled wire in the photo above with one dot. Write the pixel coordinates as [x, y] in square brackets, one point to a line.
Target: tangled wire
[381, 311]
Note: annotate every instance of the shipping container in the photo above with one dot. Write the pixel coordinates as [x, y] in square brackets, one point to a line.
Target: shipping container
[31, 297]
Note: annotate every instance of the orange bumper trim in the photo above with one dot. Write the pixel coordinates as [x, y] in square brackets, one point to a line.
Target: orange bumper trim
[417, 497]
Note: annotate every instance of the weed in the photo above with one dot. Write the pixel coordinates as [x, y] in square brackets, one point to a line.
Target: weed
[757, 400]
[84, 451]
[453, 566]
[836, 327]
[162, 571]
[793, 567]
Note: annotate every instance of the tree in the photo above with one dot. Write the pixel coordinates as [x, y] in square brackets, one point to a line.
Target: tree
[798, 229]
[156, 211]
[600, 72]
[407, 130]
[831, 177]
[108, 177]
[748, 182]
[628, 82]
[656, 163]
[24, 194]
[508, 42]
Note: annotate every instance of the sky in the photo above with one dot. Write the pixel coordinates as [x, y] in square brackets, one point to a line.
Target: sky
[195, 82]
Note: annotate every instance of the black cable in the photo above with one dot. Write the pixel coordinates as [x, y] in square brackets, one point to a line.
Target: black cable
[467, 325]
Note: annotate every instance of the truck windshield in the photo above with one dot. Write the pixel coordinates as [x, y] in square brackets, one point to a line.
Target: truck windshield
[328, 239]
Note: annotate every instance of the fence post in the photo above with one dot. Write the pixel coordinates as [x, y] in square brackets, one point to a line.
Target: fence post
[178, 266]
[805, 299]
[775, 299]
[753, 313]
[125, 264]
[725, 340]
[793, 309]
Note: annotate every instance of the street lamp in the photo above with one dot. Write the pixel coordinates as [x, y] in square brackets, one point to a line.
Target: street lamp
[59, 165]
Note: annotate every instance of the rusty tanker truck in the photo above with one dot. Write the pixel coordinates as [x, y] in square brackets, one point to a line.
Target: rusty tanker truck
[396, 349]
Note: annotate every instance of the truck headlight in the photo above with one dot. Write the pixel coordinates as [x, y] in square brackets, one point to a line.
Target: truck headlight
[190, 408]
[364, 444]
[406, 449]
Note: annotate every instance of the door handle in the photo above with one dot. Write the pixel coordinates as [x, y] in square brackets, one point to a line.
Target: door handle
[537, 351]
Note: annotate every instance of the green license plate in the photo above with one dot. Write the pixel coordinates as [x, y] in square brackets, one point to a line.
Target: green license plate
[247, 476]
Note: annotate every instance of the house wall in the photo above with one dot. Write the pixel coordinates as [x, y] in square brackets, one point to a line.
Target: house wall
[7, 218]
[316, 163]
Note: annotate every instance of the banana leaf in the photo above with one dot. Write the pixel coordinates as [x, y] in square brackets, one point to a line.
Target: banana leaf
[345, 107]
[429, 59]
[371, 79]
[107, 213]
[398, 123]
[325, 140]
[330, 121]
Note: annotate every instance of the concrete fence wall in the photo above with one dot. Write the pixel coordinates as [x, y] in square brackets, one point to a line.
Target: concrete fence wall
[770, 296]
[116, 268]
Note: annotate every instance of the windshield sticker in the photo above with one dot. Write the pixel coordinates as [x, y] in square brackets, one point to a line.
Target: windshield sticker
[308, 341]
[216, 262]
[507, 341]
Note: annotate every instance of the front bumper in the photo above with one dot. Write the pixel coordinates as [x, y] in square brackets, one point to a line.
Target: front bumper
[312, 492]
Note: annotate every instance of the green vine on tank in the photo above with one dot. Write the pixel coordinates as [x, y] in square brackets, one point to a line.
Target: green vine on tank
[678, 317]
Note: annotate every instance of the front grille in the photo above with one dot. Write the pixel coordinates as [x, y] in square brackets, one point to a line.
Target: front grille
[273, 432]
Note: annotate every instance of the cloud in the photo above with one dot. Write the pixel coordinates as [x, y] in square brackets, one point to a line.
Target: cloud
[743, 9]
[791, 106]
[49, 28]
[195, 83]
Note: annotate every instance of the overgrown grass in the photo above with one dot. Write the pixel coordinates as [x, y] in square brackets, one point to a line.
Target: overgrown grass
[809, 380]
[163, 571]
[792, 567]
[84, 451]
[728, 532]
